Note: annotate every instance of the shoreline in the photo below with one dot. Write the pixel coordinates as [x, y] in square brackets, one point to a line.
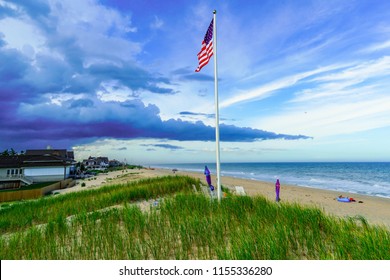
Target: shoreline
[375, 209]
[365, 178]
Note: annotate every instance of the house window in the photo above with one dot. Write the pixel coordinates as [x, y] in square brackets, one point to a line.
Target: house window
[12, 172]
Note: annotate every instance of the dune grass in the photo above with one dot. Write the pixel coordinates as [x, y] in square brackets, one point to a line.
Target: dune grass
[21, 215]
[182, 226]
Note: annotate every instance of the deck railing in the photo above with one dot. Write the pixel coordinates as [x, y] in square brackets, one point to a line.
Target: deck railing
[12, 177]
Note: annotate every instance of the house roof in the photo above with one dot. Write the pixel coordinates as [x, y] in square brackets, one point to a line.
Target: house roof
[9, 161]
[53, 152]
[19, 161]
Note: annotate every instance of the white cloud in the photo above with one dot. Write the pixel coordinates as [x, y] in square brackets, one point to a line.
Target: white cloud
[59, 99]
[361, 80]
[157, 23]
[377, 47]
[114, 91]
[96, 28]
[332, 119]
[21, 33]
[91, 27]
[266, 90]
[360, 71]
[345, 100]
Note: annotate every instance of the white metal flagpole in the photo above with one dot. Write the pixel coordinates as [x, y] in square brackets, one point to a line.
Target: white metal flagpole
[219, 192]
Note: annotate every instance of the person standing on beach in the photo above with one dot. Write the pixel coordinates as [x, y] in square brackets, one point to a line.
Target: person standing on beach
[277, 190]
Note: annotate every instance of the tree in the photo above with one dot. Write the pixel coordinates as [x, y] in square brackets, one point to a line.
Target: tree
[10, 153]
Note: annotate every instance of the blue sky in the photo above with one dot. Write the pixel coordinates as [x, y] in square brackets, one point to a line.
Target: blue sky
[298, 80]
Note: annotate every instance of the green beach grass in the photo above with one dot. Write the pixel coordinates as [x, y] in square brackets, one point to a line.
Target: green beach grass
[105, 224]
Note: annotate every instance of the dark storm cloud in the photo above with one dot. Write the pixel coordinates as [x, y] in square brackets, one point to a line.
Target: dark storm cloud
[80, 103]
[68, 66]
[131, 76]
[36, 8]
[187, 113]
[113, 120]
[190, 74]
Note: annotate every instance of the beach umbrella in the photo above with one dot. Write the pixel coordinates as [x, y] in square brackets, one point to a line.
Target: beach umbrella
[208, 178]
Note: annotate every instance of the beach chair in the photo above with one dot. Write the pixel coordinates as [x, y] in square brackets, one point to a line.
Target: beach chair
[240, 190]
[207, 192]
[204, 189]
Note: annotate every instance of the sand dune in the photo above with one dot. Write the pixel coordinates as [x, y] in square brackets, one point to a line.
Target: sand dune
[375, 209]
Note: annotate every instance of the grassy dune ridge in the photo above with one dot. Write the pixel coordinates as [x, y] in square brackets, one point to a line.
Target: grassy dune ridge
[182, 226]
[28, 213]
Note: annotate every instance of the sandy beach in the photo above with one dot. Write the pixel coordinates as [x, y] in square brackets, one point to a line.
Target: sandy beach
[375, 209]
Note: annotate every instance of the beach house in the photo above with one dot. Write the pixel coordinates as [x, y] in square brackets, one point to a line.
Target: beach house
[97, 163]
[35, 166]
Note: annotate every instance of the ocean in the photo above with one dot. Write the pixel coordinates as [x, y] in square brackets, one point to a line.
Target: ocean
[368, 178]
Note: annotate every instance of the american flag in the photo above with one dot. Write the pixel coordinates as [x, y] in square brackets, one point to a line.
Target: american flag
[207, 48]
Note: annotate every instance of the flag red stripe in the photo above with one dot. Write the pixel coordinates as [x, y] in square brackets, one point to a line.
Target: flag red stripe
[204, 55]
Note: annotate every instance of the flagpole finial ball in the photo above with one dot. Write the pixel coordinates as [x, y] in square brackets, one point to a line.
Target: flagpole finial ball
[215, 11]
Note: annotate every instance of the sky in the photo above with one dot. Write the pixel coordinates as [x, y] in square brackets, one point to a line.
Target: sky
[298, 80]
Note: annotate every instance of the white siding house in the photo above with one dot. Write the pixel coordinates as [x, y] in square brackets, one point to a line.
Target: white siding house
[47, 174]
[34, 168]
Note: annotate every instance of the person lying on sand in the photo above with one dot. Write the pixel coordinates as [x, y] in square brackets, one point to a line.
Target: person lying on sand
[347, 199]
[343, 198]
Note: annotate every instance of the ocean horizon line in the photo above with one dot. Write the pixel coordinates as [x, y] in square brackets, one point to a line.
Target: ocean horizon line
[241, 162]
[368, 178]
